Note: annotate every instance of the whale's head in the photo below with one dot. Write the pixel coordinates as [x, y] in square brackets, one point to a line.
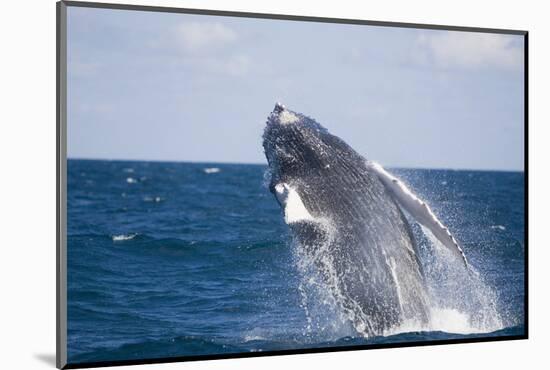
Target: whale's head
[297, 146]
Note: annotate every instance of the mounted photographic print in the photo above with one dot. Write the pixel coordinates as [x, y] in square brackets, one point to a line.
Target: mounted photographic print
[235, 184]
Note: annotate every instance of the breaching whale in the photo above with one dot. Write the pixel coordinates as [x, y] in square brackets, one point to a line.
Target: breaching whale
[347, 213]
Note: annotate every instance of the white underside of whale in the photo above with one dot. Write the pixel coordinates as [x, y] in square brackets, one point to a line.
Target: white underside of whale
[293, 206]
[418, 209]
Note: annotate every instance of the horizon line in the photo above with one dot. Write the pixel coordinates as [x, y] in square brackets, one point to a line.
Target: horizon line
[265, 164]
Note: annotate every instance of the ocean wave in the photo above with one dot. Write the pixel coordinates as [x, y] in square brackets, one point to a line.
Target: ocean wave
[131, 180]
[227, 280]
[250, 338]
[193, 345]
[122, 237]
[498, 227]
[156, 348]
[211, 170]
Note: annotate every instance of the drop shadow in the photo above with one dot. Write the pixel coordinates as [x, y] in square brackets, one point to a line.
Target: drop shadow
[46, 358]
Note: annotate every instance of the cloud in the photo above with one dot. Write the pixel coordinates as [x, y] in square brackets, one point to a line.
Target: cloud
[471, 50]
[209, 45]
[197, 37]
[235, 65]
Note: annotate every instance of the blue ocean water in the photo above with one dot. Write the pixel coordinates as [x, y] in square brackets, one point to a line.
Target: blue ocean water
[176, 259]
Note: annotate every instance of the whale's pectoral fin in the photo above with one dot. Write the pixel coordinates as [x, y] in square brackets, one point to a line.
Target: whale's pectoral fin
[418, 209]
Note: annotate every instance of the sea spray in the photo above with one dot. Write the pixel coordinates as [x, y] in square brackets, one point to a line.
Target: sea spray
[452, 287]
[327, 320]
[461, 302]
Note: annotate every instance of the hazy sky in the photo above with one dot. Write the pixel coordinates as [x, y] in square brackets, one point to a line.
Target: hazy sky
[183, 87]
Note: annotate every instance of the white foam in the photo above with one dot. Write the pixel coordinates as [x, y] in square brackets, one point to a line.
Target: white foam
[248, 338]
[122, 237]
[211, 170]
[499, 227]
[451, 320]
[446, 320]
[131, 180]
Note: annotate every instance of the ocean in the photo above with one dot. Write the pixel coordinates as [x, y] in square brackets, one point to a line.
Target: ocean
[171, 259]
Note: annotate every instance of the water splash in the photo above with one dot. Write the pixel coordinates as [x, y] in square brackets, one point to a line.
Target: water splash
[320, 297]
[461, 301]
[452, 287]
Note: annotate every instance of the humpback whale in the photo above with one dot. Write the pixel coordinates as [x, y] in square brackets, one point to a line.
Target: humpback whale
[348, 214]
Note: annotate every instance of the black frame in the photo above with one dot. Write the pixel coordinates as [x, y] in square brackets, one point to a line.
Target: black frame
[61, 158]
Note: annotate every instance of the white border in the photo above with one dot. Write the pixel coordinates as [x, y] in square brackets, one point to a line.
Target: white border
[28, 181]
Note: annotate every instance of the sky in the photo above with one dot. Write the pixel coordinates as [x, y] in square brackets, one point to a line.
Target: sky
[180, 87]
